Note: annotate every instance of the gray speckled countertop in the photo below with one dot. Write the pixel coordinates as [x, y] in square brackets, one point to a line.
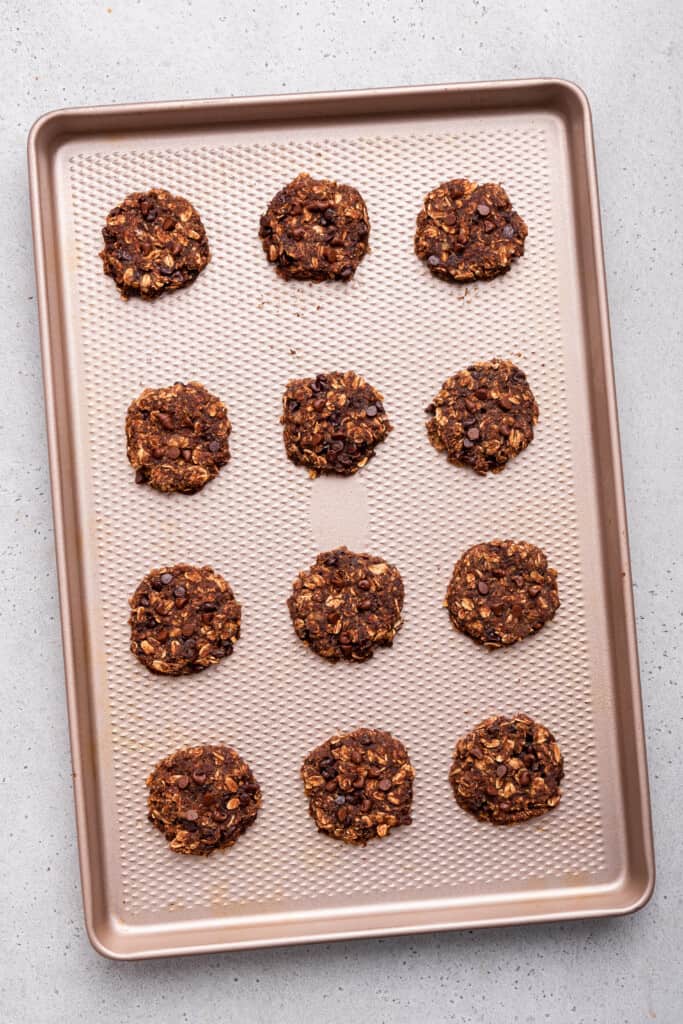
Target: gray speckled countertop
[627, 56]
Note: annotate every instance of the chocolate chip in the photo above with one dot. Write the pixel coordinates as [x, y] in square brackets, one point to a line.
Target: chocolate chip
[501, 771]
[482, 587]
[467, 443]
[214, 446]
[384, 785]
[433, 261]
[182, 782]
[199, 778]
[166, 578]
[508, 231]
[371, 410]
[483, 210]
[191, 815]
[473, 434]
[209, 606]
[431, 409]
[524, 778]
[364, 584]
[172, 452]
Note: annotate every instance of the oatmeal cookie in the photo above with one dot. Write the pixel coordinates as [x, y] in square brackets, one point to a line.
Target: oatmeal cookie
[316, 230]
[203, 798]
[177, 437]
[501, 592]
[183, 619]
[346, 604]
[332, 422]
[507, 770]
[467, 231]
[154, 242]
[483, 416]
[359, 785]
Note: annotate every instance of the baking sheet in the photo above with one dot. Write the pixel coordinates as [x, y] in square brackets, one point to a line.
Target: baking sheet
[244, 332]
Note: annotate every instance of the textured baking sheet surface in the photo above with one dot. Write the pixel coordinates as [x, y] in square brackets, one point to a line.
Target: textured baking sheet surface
[243, 333]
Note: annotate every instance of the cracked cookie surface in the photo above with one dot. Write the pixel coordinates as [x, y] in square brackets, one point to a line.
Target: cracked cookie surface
[359, 785]
[316, 230]
[347, 604]
[332, 422]
[183, 619]
[467, 231]
[203, 798]
[501, 592]
[177, 437]
[507, 770]
[154, 242]
[483, 416]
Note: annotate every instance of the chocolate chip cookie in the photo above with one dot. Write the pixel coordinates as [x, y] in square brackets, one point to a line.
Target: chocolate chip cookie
[316, 230]
[203, 798]
[183, 619]
[501, 592]
[467, 231]
[507, 770]
[332, 422]
[483, 416]
[359, 785]
[346, 605]
[154, 242]
[177, 437]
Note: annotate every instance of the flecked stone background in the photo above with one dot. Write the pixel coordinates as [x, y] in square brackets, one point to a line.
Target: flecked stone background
[627, 57]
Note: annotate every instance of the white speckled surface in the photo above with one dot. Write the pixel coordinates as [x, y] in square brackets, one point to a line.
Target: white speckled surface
[629, 62]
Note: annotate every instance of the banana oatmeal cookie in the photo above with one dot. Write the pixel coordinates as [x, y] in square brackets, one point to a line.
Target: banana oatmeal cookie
[177, 437]
[203, 798]
[346, 604]
[359, 785]
[483, 416]
[316, 230]
[467, 231]
[332, 422]
[507, 770]
[501, 592]
[183, 619]
[154, 242]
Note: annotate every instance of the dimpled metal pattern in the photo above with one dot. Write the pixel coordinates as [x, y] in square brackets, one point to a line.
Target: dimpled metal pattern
[243, 332]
